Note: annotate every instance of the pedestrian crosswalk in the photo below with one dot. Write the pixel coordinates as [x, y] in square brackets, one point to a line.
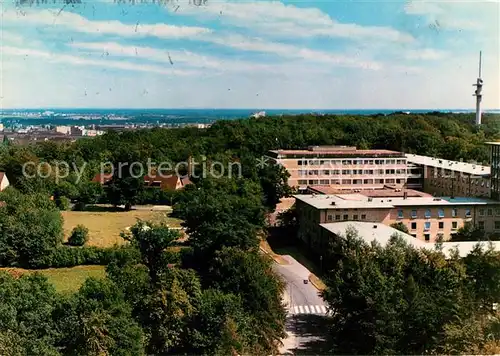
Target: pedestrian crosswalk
[308, 309]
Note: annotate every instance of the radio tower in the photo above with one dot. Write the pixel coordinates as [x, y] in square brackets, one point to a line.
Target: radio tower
[477, 93]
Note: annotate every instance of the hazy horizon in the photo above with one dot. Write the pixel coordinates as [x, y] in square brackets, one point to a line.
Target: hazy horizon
[253, 54]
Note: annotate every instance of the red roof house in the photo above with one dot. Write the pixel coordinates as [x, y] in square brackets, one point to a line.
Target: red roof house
[164, 182]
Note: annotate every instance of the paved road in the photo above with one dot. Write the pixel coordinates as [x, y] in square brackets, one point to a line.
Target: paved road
[298, 292]
[306, 322]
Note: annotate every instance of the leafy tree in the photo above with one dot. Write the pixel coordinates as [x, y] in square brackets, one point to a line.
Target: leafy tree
[250, 275]
[62, 203]
[66, 189]
[152, 241]
[274, 181]
[288, 222]
[89, 193]
[124, 191]
[221, 213]
[401, 227]
[26, 323]
[64, 192]
[171, 305]
[127, 183]
[483, 269]
[98, 321]
[477, 335]
[79, 236]
[221, 326]
[165, 297]
[10, 344]
[396, 299]
[30, 228]
[469, 233]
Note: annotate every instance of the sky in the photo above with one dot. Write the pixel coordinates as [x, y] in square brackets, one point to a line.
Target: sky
[302, 54]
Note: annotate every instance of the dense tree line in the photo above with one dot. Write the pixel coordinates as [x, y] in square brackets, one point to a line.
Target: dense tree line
[400, 300]
[449, 136]
[218, 295]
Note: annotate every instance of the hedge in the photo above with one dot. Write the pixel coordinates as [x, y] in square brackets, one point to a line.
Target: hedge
[66, 256]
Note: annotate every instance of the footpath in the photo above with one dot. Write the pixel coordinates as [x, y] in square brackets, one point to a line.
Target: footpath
[290, 341]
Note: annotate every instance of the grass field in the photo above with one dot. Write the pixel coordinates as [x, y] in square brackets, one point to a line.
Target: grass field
[65, 280]
[105, 227]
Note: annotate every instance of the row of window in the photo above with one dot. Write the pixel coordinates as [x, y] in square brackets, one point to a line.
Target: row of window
[350, 181]
[450, 172]
[427, 237]
[454, 225]
[428, 213]
[316, 172]
[489, 212]
[428, 224]
[345, 217]
[349, 162]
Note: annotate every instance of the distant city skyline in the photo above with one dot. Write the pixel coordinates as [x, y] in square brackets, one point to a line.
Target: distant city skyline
[317, 55]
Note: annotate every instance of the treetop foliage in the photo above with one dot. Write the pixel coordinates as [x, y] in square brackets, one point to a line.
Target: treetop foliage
[400, 300]
[216, 294]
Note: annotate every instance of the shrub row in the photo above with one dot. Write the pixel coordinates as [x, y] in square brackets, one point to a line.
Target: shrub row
[157, 196]
[66, 256]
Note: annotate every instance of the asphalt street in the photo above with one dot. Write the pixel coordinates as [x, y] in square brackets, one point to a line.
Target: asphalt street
[306, 321]
[294, 275]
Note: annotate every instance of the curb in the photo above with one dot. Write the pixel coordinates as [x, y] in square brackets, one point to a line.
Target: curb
[274, 257]
[314, 283]
[286, 300]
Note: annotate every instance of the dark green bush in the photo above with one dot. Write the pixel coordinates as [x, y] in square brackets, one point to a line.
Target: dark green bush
[79, 236]
[63, 203]
[157, 196]
[66, 256]
[79, 206]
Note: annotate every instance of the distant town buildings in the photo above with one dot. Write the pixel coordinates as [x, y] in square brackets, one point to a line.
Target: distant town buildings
[24, 134]
[258, 114]
[65, 130]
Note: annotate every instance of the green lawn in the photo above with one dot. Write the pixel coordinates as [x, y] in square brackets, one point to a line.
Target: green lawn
[105, 227]
[65, 280]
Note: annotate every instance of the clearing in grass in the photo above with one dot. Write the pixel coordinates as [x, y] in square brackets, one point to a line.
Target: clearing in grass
[105, 227]
[65, 280]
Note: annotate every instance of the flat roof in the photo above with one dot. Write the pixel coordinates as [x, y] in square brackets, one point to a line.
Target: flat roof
[493, 143]
[465, 247]
[463, 167]
[340, 152]
[381, 192]
[371, 232]
[383, 233]
[354, 201]
[360, 201]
